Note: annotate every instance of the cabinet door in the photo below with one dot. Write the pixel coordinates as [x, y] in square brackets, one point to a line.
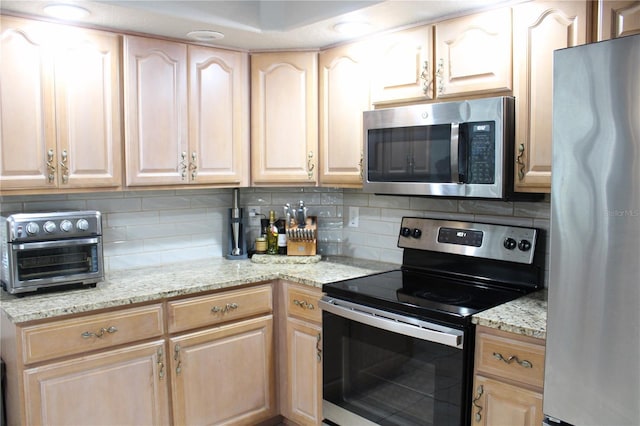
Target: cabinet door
[304, 384]
[27, 128]
[539, 28]
[473, 54]
[120, 387]
[497, 403]
[155, 90]
[403, 68]
[224, 375]
[617, 19]
[218, 116]
[87, 81]
[344, 96]
[284, 118]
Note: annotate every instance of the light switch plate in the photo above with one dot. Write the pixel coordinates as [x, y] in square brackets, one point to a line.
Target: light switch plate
[354, 217]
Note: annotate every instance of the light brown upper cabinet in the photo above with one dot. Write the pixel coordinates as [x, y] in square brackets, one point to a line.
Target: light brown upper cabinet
[168, 143]
[402, 66]
[60, 107]
[284, 118]
[617, 19]
[473, 54]
[344, 96]
[539, 28]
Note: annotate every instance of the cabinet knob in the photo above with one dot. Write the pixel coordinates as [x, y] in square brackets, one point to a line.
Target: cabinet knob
[524, 363]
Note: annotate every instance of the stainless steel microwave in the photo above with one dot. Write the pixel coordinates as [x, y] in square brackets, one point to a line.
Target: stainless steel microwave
[449, 149]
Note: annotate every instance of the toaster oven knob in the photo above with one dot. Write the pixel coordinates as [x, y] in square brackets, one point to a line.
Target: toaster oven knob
[66, 225]
[524, 245]
[405, 232]
[417, 233]
[49, 227]
[82, 225]
[32, 228]
[510, 243]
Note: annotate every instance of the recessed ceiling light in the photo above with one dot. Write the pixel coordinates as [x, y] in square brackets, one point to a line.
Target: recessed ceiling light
[66, 11]
[352, 28]
[205, 35]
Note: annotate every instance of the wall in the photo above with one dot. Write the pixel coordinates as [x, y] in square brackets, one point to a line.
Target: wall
[144, 228]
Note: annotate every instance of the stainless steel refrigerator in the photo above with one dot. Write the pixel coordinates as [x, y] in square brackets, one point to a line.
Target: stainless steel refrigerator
[592, 369]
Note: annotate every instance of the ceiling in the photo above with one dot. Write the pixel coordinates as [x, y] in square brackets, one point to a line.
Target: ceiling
[258, 24]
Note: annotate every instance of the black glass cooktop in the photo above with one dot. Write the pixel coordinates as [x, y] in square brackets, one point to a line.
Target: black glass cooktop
[421, 294]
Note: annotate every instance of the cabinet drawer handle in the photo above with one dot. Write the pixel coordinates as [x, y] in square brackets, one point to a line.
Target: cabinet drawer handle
[100, 333]
[478, 415]
[520, 161]
[224, 309]
[524, 363]
[304, 304]
[318, 348]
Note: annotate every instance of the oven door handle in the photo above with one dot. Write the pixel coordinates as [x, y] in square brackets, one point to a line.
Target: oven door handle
[394, 323]
[56, 243]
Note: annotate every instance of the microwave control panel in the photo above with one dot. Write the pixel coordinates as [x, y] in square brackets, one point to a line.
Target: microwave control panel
[481, 164]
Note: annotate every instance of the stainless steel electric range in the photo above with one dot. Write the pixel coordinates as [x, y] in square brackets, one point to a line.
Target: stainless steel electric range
[398, 346]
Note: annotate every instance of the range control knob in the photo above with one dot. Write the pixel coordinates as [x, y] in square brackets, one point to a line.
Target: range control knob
[524, 245]
[510, 243]
[32, 228]
[416, 233]
[49, 227]
[66, 225]
[405, 232]
[82, 225]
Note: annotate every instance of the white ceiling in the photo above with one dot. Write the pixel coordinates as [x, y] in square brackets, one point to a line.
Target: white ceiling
[259, 24]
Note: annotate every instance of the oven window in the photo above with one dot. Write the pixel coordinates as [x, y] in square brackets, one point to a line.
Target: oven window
[388, 378]
[57, 261]
[410, 154]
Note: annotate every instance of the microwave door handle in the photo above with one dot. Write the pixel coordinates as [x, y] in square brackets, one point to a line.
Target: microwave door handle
[454, 145]
[56, 243]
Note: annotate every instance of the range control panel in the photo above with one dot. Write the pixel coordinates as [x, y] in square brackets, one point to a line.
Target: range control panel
[483, 240]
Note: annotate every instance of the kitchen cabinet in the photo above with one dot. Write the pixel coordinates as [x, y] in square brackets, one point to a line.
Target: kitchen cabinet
[508, 379]
[539, 28]
[344, 96]
[403, 68]
[284, 118]
[301, 368]
[616, 19]
[186, 113]
[223, 373]
[104, 366]
[60, 107]
[473, 54]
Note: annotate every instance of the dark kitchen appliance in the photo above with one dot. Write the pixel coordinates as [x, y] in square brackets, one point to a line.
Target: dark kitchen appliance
[49, 250]
[398, 346]
[592, 367]
[448, 149]
[237, 239]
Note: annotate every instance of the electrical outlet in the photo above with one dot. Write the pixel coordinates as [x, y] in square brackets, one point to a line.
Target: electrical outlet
[354, 217]
[254, 215]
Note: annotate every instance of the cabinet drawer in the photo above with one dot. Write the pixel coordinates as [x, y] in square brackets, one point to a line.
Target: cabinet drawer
[90, 332]
[510, 356]
[220, 307]
[303, 303]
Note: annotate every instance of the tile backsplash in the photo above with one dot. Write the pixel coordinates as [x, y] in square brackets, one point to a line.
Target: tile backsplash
[146, 228]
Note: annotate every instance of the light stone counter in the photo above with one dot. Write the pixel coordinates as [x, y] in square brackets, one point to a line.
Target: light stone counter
[144, 285]
[526, 315]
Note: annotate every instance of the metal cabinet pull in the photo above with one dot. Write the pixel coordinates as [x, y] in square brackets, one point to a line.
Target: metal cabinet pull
[63, 166]
[193, 165]
[51, 168]
[520, 161]
[440, 76]
[176, 357]
[361, 166]
[160, 364]
[524, 363]
[99, 333]
[183, 165]
[310, 165]
[224, 309]
[304, 304]
[425, 76]
[318, 349]
[478, 415]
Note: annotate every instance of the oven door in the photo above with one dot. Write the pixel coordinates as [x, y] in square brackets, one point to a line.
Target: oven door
[387, 369]
[52, 263]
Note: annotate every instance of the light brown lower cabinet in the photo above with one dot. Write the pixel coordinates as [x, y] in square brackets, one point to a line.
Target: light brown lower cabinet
[508, 379]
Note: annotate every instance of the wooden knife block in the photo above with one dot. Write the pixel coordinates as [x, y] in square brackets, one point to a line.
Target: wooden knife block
[303, 241]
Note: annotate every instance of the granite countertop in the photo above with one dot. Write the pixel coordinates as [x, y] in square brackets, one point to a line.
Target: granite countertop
[123, 288]
[526, 315]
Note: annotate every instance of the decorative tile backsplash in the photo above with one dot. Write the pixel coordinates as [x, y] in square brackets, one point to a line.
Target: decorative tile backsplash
[145, 228]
